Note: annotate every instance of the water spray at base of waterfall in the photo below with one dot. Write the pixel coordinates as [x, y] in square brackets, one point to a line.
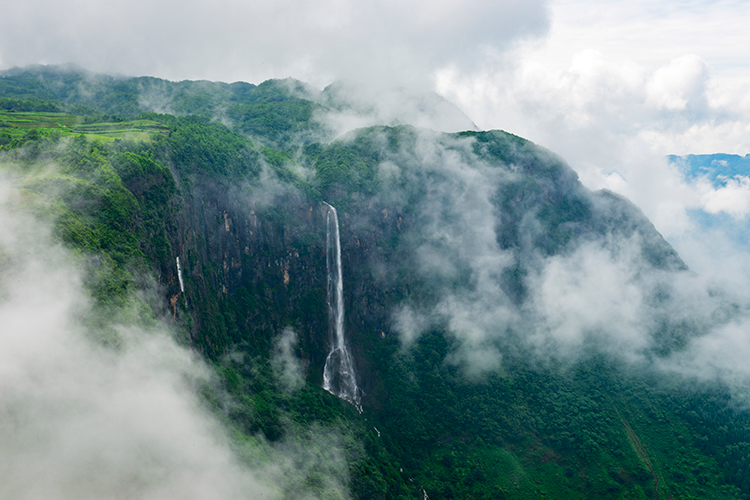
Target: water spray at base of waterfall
[339, 377]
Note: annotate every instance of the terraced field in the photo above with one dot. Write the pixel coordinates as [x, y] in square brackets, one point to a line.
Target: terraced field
[16, 124]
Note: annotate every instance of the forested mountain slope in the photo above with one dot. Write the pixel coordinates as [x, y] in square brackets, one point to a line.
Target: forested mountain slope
[515, 335]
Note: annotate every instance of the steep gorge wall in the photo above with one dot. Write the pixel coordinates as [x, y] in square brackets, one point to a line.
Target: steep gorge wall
[251, 269]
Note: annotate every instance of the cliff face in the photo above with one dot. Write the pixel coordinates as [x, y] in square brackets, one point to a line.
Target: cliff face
[428, 222]
[249, 269]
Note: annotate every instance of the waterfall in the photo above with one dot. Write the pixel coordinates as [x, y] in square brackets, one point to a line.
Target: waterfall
[179, 276]
[338, 375]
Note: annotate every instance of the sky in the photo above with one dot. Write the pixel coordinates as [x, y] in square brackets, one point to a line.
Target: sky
[612, 88]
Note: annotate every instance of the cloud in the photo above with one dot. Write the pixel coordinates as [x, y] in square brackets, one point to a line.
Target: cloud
[591, 295]
[613, 90]
[608, 291]
[603, 301]
[614, 120]
[409, 324]
[85, 421]
[350, 105]
[253, 41]
[680, 83]
[732, 198]
[288, 369]
[721, 356]
[83, 418]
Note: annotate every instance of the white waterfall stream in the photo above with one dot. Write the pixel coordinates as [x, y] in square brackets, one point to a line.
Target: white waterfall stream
[339, 377]
[179, 276]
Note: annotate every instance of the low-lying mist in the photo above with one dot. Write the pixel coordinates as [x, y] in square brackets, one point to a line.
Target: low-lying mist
[522, 259]
[112, 411]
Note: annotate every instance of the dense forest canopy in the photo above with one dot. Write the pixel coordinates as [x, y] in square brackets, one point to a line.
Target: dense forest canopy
[515, 335]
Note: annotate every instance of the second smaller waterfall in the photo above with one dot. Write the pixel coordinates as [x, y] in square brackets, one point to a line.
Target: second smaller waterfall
[339, 377]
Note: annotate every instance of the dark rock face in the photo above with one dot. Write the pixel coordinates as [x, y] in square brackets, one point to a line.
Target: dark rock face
[250, 269]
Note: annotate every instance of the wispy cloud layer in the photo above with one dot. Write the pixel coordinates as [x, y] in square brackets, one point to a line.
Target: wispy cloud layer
[502, 282]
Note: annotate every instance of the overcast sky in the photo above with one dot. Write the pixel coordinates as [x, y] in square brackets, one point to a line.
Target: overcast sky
[611, 87]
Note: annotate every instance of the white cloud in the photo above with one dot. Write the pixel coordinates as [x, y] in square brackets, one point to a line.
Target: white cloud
[615, 88]
[722, 355]
[592, 294]
[253, 41]
[370, 104]
[682, 81]
[732, 198]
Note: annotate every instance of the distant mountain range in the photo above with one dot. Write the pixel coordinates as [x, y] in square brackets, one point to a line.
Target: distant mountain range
[718, 168]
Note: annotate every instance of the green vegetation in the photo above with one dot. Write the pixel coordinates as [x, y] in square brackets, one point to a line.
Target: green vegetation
[93, 212]
[273, 111]
[200, 146]
[10, 104]
[15, 125]
[131, 194]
